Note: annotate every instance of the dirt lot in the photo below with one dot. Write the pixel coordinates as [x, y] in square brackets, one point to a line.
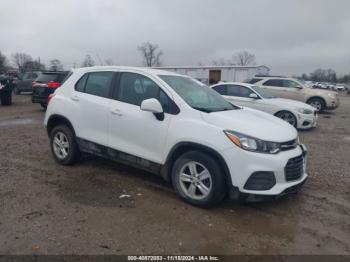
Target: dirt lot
[49, 209]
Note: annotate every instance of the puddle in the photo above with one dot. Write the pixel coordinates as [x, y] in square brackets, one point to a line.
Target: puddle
[16, 122]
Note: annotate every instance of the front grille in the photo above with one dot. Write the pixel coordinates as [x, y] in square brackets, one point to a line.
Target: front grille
[294, 168]
[288, 145]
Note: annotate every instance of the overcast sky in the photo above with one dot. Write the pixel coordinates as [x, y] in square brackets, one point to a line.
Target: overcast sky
[289, 36]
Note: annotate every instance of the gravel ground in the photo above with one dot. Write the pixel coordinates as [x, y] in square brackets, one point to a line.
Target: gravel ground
[49, 209]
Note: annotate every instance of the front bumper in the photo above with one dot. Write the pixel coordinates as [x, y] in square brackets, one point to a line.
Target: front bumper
[307, 121]
[333, 104]
[243, 164]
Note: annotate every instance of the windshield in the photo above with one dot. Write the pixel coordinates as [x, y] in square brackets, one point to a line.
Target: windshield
[262, 92]
[197, 95]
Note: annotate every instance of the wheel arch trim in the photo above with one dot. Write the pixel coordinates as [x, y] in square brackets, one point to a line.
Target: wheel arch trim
[182, 147]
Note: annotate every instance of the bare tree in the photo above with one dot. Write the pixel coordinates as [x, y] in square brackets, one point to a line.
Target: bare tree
[109, 61]
[56, 65]
[88, 61]
[220, 62]
[243, 59]
[150, 54]
[3, 62]
[20, 59]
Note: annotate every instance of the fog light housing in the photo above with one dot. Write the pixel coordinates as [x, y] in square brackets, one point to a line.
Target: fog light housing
[260, 180]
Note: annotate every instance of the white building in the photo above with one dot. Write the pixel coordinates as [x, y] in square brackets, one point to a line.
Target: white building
[214, 74]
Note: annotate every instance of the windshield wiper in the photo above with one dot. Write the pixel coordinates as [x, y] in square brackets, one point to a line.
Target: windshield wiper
[203, 109]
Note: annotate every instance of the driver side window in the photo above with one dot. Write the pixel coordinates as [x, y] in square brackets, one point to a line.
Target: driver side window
[134, 88]
[240, 91]
[290, 84]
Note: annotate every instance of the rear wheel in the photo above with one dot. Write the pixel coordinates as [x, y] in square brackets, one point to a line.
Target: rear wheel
[63, 145]
[6, 97]
[288, 117]
[198, 179]
[317, 103]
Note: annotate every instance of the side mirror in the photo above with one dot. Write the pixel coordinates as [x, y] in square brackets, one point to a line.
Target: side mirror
[254, 96]
[153, 105]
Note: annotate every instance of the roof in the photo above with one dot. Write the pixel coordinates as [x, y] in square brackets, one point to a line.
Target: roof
[148, 70]
[210, 67]
[233, 83]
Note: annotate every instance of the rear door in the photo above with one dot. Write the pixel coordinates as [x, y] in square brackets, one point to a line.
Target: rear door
[131, 130]
[91, 96]
[275, 87]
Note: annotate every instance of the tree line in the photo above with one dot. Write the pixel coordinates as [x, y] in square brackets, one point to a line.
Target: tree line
[325, 75]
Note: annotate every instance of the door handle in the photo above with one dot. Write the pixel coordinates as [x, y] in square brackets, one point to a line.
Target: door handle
[116, 112]
[75, 98]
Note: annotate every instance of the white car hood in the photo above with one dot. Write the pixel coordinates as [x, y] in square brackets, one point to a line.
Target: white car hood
[253, 123]
[288, 103]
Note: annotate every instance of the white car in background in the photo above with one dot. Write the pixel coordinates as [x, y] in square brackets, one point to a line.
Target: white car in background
[298, 114]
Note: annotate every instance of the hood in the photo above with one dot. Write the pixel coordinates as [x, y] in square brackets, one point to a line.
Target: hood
[253, 123]
[293, 104]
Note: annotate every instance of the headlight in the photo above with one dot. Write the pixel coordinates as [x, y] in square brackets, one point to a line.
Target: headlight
[332, 95]
[305, 111]
[252, 144]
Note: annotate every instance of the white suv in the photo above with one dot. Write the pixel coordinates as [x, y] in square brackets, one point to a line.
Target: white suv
[174, 126]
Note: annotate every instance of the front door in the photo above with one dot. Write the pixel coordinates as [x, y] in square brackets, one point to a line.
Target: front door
[131, 130]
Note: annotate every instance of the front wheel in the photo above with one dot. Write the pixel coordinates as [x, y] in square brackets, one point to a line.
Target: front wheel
[63, 145]
[288, 117]
[317, 103]
[198, 179]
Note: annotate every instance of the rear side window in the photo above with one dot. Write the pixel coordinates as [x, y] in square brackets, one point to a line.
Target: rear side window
[274, 82]
[80, 86]
[96, 83]
[99, 83]
[45, 78]
[221, 89]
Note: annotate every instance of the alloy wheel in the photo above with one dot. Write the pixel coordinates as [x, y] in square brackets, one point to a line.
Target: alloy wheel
[61, 145]
[316, 104]
[288, 117]
[195, 180]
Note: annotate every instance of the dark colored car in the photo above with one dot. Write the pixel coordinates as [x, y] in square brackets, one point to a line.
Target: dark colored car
[46, 84]
[6, 86]
[25, 83]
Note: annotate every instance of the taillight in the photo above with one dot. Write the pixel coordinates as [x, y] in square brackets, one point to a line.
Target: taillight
[50, 97]
[53, 85]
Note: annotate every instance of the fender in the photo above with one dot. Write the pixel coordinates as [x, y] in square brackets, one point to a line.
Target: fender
[182, 147]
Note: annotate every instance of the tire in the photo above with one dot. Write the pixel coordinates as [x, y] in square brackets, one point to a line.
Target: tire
[317, 103]
[287, 116]
[43, 105]
[6, 98]
[212, 182]
[63, 145]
